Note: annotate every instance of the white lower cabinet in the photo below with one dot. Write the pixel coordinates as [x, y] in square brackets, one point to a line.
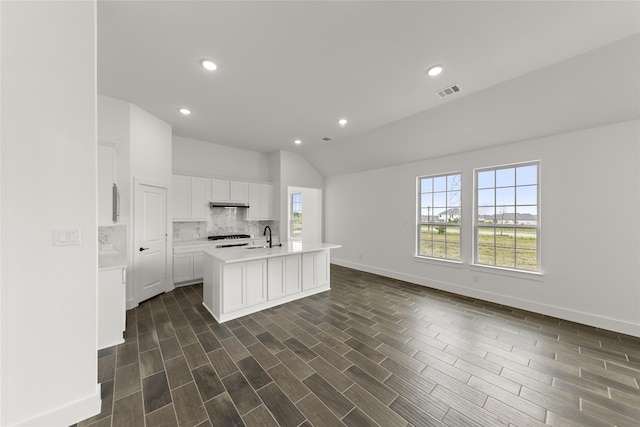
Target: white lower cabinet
[188, 263]
[315, 269]
[182, 268]
[284, 276]
[244, 285]
[111, 307]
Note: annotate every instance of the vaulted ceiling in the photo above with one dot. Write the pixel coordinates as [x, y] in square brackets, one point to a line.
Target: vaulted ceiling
[289, 70]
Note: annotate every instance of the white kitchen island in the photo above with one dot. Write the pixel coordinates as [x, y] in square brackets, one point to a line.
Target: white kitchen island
[243, 280]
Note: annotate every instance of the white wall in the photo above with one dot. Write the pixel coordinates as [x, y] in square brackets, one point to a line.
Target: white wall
[591, 272]
[48, 371]
[193, 157]
[290, 170]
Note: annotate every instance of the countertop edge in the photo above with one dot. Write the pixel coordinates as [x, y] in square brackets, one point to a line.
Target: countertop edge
[234, 255]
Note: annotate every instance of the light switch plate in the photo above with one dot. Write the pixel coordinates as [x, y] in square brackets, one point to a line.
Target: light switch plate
[66, 236]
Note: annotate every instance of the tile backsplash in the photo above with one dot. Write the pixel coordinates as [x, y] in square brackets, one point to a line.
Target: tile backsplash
[222, 221]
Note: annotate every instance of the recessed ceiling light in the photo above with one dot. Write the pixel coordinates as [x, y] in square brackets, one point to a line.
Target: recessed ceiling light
[297, 142]
[342, 122]
[435, 70]
[209, 64]
[185, 111]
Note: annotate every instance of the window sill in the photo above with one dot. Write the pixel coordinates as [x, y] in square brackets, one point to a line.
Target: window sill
[438, 261]
[519, 274]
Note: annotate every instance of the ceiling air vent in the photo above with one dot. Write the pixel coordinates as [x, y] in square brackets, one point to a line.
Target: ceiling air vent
[442, 93]
[327, 139]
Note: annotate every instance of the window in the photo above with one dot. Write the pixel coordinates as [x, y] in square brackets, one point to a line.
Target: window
[440, 215]
[507, 226]
[295, 217]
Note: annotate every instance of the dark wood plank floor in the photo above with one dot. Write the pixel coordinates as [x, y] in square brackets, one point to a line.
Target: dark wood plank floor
[372, 351]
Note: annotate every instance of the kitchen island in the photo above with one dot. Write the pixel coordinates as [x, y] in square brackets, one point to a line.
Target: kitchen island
[243, 280]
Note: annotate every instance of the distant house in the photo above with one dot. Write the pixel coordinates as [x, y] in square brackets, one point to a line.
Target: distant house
[449, 215]
[509, 219]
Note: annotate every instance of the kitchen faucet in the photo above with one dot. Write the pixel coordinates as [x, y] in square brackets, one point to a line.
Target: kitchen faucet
[264, 233]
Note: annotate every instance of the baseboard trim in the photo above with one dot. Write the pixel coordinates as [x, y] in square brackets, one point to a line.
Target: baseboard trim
[67, 415]
[617, 325]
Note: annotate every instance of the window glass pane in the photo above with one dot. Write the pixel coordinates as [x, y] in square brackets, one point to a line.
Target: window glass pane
[426, 248]
[505, 196]
[527, 195]
[505, 177]
[486, 255]
[505, 238]
[486, 215]
[505, 257]
[486, 179]
[454, 199]
[527, 215]
[526, 259]
[526, 238]
[452, 234]
[440, 183]
[440, 200]
[486, 236]
[439, 249]
[486, 197]
[453, 251]
[526, 175]
[453, 182]
[426, 185]
[439, 233]
[425, 200]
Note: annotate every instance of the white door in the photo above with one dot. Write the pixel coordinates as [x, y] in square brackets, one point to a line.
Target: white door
[150, 241]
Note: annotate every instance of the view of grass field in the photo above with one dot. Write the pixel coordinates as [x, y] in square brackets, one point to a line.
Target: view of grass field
[498, 246]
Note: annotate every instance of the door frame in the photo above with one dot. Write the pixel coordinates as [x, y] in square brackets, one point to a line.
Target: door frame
[133, 298]
[318, 195]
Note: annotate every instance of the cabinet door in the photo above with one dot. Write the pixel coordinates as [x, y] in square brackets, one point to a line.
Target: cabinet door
[255, 201]
[198, 265]
[239, 191]
[182, 267]
[219, 189]
[292, 274]
[200, 197]
[308, 270]
[267, 201]
[181, 197]
[256, 281]
[275, 277]
[322, 267]
[111, 310]
[233, 285]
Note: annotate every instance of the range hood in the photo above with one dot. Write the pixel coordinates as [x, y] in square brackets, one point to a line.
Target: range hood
[228, 204]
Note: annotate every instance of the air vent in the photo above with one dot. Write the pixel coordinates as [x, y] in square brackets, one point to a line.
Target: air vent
[327, 139]
[442, 93]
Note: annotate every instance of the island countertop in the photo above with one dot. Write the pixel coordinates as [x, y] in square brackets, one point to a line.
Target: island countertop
[248, 253]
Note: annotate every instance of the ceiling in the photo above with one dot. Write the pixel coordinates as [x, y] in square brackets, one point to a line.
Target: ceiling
[289, 70]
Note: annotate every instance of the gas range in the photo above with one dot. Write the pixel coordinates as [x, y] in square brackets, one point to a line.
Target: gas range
[231, 240]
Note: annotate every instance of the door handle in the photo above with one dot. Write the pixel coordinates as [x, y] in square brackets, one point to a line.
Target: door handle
[143, 249]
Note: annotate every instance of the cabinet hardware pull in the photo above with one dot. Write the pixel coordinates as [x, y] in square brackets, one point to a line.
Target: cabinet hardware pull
[143, 249]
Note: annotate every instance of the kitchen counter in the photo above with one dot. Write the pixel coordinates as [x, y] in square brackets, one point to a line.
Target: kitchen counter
[248, 253]
[244, 280]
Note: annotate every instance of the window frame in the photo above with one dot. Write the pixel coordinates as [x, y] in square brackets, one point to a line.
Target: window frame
[420, 223]
[292, 221]
[477, 225]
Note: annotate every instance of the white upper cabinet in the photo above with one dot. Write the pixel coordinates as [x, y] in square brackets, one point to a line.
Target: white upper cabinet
[223, 190]
[219, 189]
[200, 197]
[260, 201]
[106, 181]
[190, 198]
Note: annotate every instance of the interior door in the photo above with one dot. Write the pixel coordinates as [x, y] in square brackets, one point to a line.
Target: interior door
[150, 241]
